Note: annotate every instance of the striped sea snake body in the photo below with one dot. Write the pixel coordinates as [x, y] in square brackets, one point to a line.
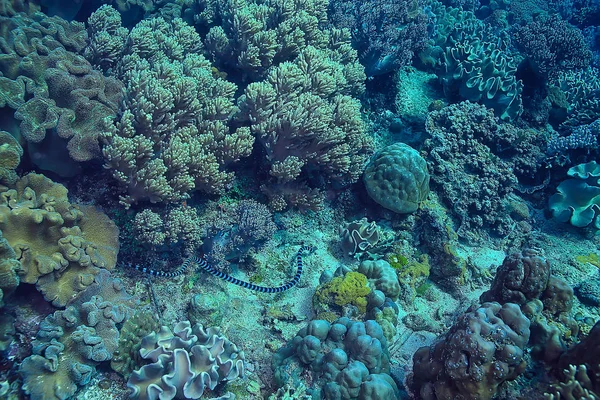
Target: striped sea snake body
[211, 270]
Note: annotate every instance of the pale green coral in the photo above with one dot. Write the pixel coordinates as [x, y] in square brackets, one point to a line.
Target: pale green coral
[172, 137]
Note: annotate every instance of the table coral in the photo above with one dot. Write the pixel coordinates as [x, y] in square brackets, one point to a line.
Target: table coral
[185, 363]
[484, 348]
[60, 247]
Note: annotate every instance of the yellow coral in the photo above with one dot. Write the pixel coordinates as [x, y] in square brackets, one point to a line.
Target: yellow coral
[591, 258]
[351, 288]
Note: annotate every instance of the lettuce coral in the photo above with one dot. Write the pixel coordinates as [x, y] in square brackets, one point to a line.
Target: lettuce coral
[56, 94]
[60, 247]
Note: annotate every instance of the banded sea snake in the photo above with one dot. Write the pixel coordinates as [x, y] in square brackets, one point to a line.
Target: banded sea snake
[211, 270]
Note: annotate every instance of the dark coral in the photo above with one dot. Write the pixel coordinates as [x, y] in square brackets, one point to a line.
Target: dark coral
[481, 350]
[521, 277]
[386, 33]
[552, 45]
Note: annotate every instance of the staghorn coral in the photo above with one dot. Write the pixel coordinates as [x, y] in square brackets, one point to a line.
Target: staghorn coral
[172, 135]
[60, 247]
[305, 119]
[73, 341]
[56, 94]
[185, 363]
[340, 360]
[397, 178]
[481, 350]
[10, 157]
[575, 384]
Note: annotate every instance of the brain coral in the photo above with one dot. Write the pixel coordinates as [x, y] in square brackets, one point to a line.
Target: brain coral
[60, 247]
[345, 360]
[480, 351]
[397, 178]
[185, 363]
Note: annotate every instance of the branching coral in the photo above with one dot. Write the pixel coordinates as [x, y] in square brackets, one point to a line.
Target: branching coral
[60, 247]
[305, 119]
[474, 160]
[185, 363]
[172, 135]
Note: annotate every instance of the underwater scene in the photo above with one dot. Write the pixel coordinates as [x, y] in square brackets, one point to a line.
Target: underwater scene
[300, 199]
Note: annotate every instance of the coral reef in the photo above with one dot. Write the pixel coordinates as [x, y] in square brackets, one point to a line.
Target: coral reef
[185, 363]
[61, 247]
[552, 45]
[483, 349]
[474, 161]
[172, 135]
[397, 178]
[71, 342]
[344, 359]
[359, 236]
[385, 33]
[577, 201]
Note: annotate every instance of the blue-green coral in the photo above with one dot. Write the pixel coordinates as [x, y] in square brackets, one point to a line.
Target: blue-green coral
[578, 199]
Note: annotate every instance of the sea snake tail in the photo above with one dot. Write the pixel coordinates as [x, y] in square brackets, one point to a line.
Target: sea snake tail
[211, 270]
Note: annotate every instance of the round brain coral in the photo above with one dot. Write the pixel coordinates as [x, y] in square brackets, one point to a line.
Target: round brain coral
[397, 178]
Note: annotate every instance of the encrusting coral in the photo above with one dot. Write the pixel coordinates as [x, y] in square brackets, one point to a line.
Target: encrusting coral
[61, 247]
[185, 363]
